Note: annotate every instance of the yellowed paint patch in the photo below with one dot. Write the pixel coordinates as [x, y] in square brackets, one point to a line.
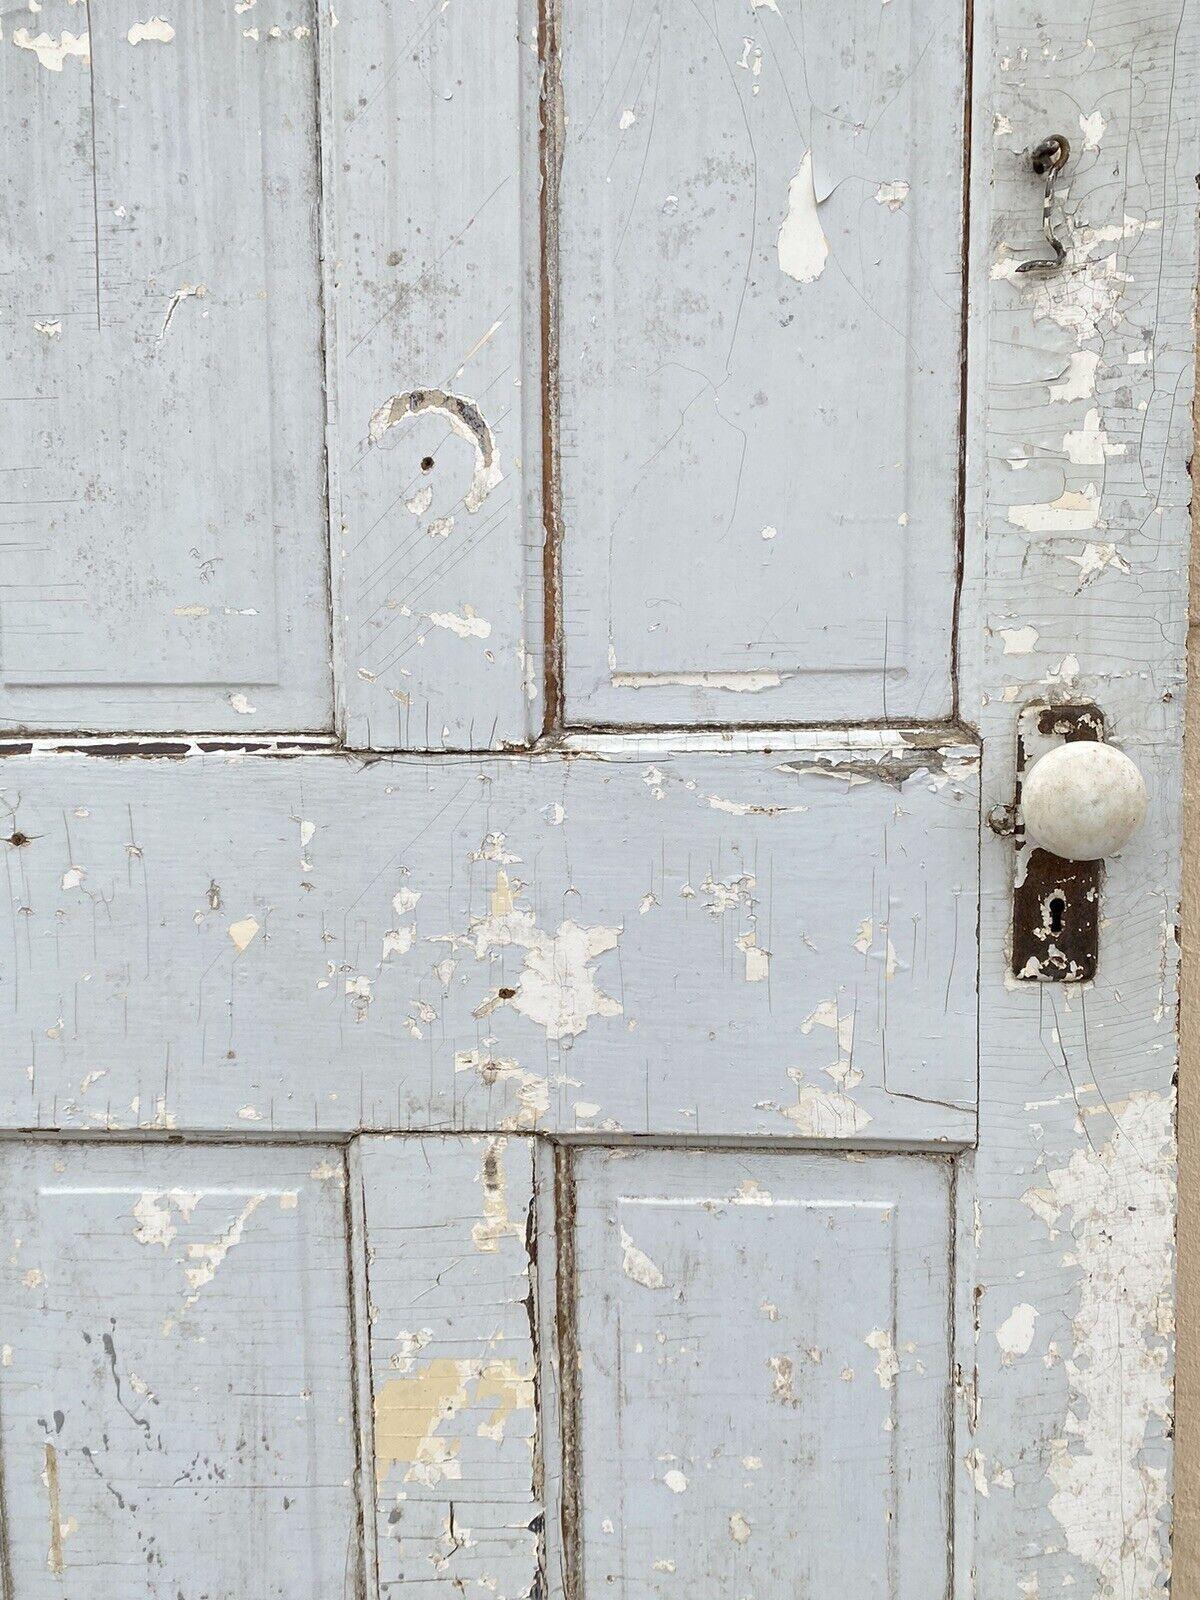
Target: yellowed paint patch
[243, 933]
[409, 1410]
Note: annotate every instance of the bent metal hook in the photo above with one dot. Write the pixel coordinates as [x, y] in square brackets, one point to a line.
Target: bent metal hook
[1048, 159]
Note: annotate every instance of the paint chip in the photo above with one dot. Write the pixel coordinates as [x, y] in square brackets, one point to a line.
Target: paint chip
[53, 52]
[157, 31]
[243, 933]
[802, 245]
[636, 1264]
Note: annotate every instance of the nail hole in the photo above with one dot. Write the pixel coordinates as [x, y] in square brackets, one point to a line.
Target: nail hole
[506, 994]
[17, 838]
[426, 463]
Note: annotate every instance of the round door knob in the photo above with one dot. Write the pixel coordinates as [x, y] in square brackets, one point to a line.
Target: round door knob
[1083, 800]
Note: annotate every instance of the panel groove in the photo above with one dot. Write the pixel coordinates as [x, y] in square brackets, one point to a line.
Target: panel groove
[960, 539]
[362, 1387]
[567, 1339]
[550, 129]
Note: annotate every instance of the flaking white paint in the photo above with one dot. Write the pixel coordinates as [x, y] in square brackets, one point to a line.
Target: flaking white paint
[52, 52]
[637, 1265]
[1114, 1205]
[802, 246]
[157, 30]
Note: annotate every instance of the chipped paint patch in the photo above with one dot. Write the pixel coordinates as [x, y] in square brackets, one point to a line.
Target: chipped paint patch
[1090, 445]
[637, 1265]
[892, 195]
[557, 986]
[1092, 127]
[52, 52]
[888, 1364]
[468, 423]
[508, 1389]
[243, 933]
[1075, 511]
[748, 682]
[758, 960]
[496, 1224]
[186, 291]
[824, 1113]
[152, 1213]
[1015, 1333]
[1117, 1203]
[1094, 559]
[1078, 382]
[802, 246]
[747, 808]
[466, 626]
[408, 1412]
[1018, 641]
[533, 1089]
[210, 1257]
[157, 31]
[410, 1409]
[783, 1379]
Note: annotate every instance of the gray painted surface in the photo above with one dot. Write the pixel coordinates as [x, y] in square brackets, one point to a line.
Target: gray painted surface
[656, 941]
[231, 943]
[764, 1375]
[161, 415]
[178, 1404]
[759, 331]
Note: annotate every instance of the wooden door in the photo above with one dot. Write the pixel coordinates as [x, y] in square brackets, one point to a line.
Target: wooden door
[536, 537]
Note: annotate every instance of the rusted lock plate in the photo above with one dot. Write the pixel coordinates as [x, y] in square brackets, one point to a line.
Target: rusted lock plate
[1056, 903]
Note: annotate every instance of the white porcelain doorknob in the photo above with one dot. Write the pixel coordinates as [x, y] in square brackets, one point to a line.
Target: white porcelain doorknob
[1083, 800]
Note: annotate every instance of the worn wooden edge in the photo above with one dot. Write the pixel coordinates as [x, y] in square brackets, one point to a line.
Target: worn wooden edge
[1186, 1563]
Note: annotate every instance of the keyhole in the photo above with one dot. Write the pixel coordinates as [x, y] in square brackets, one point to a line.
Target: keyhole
[1057, 906]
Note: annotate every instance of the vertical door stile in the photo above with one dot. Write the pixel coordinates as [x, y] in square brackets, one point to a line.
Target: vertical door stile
[1076, 593]
[432, 235]
[452, 1358]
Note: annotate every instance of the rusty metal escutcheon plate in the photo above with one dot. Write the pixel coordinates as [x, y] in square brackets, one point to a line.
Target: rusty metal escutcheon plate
[1056, 903]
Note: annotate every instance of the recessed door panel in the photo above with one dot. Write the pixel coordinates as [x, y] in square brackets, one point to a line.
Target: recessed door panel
[162, 420]
[760, 298]
[764, 1364]
[178, 1412]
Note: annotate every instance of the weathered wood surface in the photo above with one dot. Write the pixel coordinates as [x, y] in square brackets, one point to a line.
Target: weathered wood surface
[448, 1228]
[432, 242]
[176, 1373]
[1076, 590]
[698, 943]
[235, 943]
[161, 413]
[760, 298]
[764, 1353]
